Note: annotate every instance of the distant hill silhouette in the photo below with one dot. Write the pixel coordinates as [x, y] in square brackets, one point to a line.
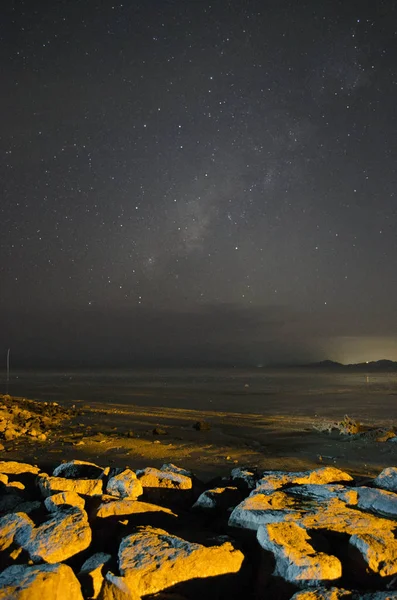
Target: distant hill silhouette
[374, 365]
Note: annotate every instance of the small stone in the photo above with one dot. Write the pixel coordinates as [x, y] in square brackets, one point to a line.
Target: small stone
[38, 582]
[171, 468]
[243, 478]
[202, 426]
[159, 431]
[274, 480]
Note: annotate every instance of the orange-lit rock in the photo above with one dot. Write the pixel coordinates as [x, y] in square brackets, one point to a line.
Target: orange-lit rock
[52, 485]
[377, 501]
[116, 588]
[221, 498]
[152, 560]
[10, 467]
[296, 559]
[253, 511]
[125, 485]
[65, 534]
[10, 525]
[154, 478]
[326, 594]
[52, 503]
[39, 582]
[379, 551]
[129, 507]
[91, 574]
[386, 480]
[315, 491]
[78, 469]
[274, 480]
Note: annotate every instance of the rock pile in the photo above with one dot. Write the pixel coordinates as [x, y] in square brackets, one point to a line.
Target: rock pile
[22, 417]
[92, 532]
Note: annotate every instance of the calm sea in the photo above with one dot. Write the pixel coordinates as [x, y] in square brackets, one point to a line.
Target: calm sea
[295, 391]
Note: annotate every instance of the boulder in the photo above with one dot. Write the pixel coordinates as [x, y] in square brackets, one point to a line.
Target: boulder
[116, 588]
[296, 560]
[316, 491]
[91, 574]
[63, 535]
[152, 560]
[10, 525]
[386, 480]
[275, 480]
[378, 551]
[218, 498]
[125, 485]
[3, 478]
[86, 487]
[39, 582]
[377, 501]
[324, 594]
[78, 469]
[52, 503]
[244, 478]
[154, 478]
[10, 467]
[171, 468]
[129, 507]
[253, 511]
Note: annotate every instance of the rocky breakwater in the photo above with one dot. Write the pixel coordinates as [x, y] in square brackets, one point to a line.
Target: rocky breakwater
[93, 532]
[22, 418]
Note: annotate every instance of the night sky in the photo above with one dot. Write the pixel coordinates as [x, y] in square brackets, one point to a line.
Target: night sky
[194, 183]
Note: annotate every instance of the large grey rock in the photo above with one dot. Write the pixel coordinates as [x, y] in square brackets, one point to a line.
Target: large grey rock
[65, 534]
[10, 467]
[54, 502]
[275, 480]
[218, 498]
[387, 479]
[78, 469]
[154, 478]
[125, 485]
[86, 487]
[39, 582]
[92, 573]
[10, 525]
[377, 501]
[254, 510]
[316, 491]
[129, 507]
[296, 560]
[152, 560]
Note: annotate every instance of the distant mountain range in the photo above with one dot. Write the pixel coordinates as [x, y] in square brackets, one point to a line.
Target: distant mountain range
[373, 365]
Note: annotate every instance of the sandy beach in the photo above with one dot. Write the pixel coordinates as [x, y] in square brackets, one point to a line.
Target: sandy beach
[150, 419]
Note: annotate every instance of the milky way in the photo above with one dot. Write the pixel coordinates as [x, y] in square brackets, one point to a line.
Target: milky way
[211, 181]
